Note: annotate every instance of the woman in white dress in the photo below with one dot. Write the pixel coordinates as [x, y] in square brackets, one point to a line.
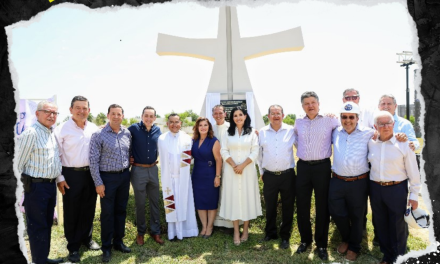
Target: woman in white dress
[240, 194]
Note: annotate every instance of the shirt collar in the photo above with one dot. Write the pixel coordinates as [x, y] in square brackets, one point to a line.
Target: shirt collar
[393, 140]
[74, 123]
[269, 127]
[45, 129]
[108, 128]
[318, 115]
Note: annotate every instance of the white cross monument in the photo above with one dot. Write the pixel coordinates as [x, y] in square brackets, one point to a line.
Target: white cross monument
[229, 79]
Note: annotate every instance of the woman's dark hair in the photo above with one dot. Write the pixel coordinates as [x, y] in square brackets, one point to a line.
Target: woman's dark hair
[196, 134]
[247, 129]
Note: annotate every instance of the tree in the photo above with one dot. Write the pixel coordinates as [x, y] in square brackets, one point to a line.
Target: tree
[266, 119]
[101, 119]
[133, 120]
[290, 119]
[90, 118]
[184, 115]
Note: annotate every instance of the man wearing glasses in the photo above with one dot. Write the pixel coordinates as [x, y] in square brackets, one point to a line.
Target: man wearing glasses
[387, 102]
[366, 115]
[39, 164]
[393, 164]
[348, 190]
[76, 183]
[276, 164]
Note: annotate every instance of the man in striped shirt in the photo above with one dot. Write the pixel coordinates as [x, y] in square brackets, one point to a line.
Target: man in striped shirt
[313, 141]
[40, 164]
[348, 191]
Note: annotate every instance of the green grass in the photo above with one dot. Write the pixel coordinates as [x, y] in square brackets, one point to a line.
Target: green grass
[219, 248]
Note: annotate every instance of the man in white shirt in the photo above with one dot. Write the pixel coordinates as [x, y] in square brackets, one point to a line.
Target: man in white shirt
[393, 163]
[175, 159]
[366, 115]
[348, 192]
[276, 164]
[220, 127]
[76, 183]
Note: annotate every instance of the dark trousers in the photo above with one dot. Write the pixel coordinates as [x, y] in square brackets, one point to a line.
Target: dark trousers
[79, 204]
[347, 202]
[389, 204]
[313, 178]
[39, 204]
[285, 185]
[114, 208]
[145, 182]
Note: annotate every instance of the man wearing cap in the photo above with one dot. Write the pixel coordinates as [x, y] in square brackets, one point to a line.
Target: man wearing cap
[366, 115]
[313, 139]
[76, 183]
[387, 102]
[38, 161]
[393, 164]
[276, 164]
[348, 190]
[144, 174]
[109, 162]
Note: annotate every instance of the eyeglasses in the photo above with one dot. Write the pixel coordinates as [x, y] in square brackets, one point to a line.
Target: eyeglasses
[389, 124]
[351, 98]
[348, 117]
[48, 113]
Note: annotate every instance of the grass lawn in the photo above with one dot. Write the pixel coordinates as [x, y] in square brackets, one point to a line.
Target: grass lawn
[219, 248]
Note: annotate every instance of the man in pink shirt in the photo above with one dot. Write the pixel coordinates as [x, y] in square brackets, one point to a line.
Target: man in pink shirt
[313, 141]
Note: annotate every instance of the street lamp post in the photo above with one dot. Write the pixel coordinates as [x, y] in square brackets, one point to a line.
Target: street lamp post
[406, 59]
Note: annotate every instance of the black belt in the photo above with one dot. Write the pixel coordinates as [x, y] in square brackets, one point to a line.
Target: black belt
[86, 168]
[315, 162]
[42, 180]
[277, 172]
[115, 172]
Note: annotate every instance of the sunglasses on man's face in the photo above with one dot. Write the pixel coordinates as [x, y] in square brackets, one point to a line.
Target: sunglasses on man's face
[348, 117]
[351, 98]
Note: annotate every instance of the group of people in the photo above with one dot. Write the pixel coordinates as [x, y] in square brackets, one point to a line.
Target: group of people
[85, 161]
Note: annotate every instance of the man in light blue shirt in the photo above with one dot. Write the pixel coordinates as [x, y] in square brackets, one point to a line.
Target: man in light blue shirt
[348, 190]
[387, 102]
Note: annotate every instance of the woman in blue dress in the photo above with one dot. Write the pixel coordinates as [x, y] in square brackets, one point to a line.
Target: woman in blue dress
[206, 174]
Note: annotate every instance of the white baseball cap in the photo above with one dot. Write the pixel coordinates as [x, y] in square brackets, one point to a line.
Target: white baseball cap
[350, 107]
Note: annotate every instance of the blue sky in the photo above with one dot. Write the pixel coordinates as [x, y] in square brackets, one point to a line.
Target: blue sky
[108, 55]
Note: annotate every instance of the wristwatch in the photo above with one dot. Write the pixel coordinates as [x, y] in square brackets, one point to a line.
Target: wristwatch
[218, 176]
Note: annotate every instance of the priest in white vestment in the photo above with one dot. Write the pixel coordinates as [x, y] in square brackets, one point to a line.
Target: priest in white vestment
[175, 159]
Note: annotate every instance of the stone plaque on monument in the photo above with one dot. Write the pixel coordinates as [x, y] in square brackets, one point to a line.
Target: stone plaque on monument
[230, 104]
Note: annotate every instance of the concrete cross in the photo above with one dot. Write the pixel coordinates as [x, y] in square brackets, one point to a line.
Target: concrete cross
[229, 52]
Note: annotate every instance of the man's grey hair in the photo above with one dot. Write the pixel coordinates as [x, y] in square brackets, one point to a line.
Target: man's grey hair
[41, 104]
[309, 94]
[275, 105]
[218, 106]
[388, 96]
[382, 114]
[350, 90]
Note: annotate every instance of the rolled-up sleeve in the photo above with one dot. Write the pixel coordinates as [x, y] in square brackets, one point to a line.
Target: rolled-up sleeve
[413, 174]
[255, 147]
[94, 158]
[26, 144]
[225, 149]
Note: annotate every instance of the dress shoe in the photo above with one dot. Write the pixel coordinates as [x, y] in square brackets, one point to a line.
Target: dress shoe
[384, 262]
[106, 256]
[92, 245]
[140, 240]
[121, 247]
[157, 239]
[322, 253]
[285, 244]
[54, 261]
[342, 248]
[74, 257]
[302, 248]
[208, 236]
[268, 238]
[351, 255]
